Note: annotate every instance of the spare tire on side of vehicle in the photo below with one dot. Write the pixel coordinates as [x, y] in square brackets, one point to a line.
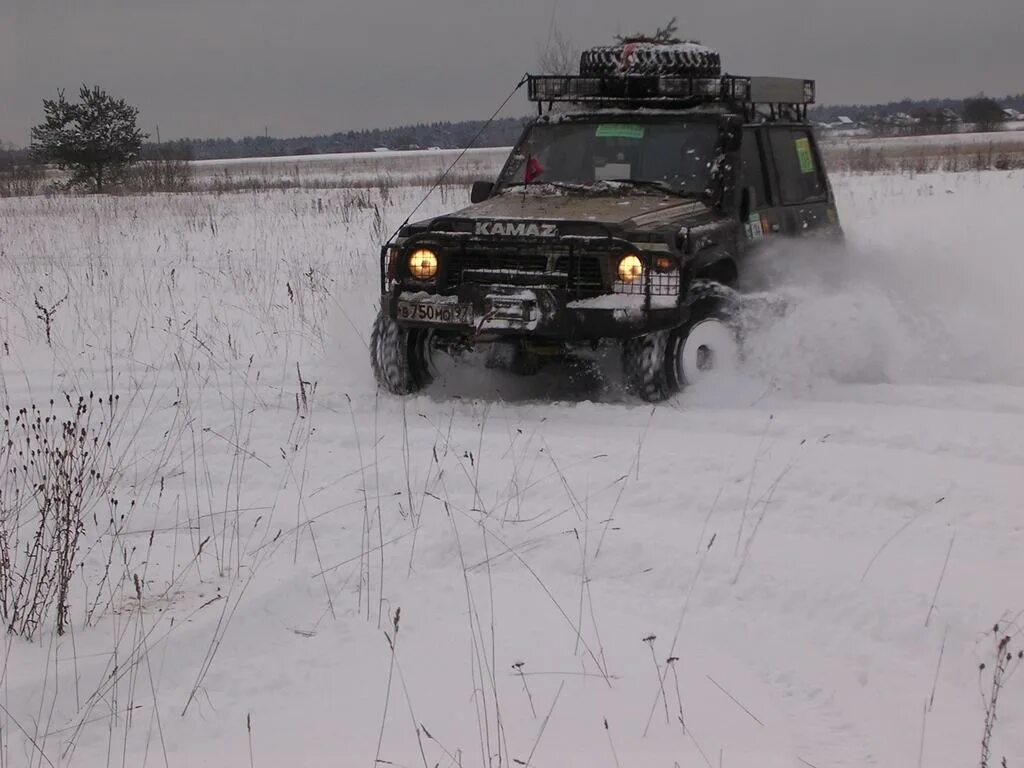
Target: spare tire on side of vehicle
[686, 59]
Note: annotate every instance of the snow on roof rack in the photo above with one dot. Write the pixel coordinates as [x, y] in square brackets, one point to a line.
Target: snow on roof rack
[670, 90]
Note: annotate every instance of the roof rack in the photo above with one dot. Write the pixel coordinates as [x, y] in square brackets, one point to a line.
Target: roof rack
[671, 91]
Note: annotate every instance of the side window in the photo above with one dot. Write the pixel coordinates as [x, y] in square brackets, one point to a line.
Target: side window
[800, 179]
[752, 172]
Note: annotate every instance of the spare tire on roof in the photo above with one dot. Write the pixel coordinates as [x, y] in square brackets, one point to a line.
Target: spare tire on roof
[686, 59]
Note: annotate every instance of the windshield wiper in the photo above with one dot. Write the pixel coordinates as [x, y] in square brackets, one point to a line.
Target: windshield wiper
[573, 187]
[661, 186]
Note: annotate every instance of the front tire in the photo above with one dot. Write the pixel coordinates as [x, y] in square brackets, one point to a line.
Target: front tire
[648, 366]
[400, 357]
[658, 365]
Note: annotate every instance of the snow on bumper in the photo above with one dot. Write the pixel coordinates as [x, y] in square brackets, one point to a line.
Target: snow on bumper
[624, 306]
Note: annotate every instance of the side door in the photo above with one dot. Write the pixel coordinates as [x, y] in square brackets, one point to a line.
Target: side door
[756, 199]
[799, 186]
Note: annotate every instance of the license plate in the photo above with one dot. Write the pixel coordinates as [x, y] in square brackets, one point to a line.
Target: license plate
[442, 314]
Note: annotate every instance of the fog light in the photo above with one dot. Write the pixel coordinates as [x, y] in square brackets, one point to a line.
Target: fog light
[631, 268]
[423, 264]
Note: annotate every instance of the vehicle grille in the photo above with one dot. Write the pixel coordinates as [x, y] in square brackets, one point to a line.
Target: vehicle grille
[458, 263]
[580, 273]
[584, 273]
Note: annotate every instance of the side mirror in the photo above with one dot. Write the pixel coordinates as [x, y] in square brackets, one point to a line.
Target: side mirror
[481, 191]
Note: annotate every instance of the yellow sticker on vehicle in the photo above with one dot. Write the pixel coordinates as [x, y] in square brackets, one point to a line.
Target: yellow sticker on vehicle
[803, 151]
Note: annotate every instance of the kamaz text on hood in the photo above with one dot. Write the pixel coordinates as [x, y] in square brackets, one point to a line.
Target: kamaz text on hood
[515, 229]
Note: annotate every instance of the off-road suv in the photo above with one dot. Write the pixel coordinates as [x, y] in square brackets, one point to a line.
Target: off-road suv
[623, 216]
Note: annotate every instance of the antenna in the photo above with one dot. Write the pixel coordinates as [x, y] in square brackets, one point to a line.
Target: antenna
[462, 154]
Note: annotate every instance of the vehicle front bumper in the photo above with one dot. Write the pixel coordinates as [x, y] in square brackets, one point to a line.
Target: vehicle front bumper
[544, 313]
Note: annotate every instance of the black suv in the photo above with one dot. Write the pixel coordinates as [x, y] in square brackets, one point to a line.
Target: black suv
[623, 216]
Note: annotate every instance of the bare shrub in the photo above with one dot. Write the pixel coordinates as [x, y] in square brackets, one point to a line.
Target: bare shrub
[1007, 660]
[52, 471]
[167, 174]
[21, 180]
[559, 56]
[982, 161]
[1005, 161]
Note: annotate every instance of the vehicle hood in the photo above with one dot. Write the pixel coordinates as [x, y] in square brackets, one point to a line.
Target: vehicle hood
[535, 215]
[632, 211]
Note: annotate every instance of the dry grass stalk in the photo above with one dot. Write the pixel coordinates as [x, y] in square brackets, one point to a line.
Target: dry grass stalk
[52, 472]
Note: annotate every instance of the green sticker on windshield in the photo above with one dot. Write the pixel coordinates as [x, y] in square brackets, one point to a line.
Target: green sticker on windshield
[803, 151]
[620, 131]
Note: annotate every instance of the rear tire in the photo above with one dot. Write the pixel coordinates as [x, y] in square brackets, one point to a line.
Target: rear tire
[400, 357]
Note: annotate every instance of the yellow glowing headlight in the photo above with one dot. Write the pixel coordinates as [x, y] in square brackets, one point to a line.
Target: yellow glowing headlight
[631, 268]
[423, 264]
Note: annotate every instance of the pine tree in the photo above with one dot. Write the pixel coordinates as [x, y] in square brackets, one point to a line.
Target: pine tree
[662, 36]
[95, 138]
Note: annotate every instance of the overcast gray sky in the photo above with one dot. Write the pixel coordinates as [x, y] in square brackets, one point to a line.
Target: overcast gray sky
[209, 68]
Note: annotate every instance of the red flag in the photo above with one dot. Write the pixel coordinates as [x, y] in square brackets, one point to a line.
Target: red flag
[627, 56]
[533, 169]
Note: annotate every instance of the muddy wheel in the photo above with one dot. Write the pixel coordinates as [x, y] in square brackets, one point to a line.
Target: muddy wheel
[400, 357]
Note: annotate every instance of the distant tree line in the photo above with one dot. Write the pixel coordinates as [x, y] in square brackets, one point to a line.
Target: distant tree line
[860, 112]
[9, 156]
[928, 115]
[923, 116]
[445, 135]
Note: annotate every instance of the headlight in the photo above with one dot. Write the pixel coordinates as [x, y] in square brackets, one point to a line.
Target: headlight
[423, 264]
[631, 268]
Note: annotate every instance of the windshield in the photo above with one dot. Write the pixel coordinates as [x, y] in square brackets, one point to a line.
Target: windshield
[674, 155]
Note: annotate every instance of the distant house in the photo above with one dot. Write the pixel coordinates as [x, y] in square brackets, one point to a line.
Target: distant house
[903, 119]
[841, 124]
[1013, 115]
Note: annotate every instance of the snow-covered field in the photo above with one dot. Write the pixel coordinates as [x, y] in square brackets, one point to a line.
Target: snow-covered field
[1011, 136]
[952, 152]
[798, 565]
[1002, 150]
[964, 151]
[393, 168]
